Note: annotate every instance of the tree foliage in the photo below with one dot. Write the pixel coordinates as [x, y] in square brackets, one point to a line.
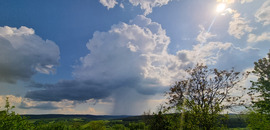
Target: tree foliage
[9, 120]
[259, 115]
[262, 85]
[258, 121]
[202, 94]
[161, 120]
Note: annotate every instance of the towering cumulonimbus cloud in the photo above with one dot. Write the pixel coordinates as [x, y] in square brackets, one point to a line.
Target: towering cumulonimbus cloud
[129, 63]
[128, 55]
[22, 54]
[131, 57]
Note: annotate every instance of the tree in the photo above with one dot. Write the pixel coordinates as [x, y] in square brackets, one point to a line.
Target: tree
[95, 125]
[200, 97]
[161, 120]
[11, 121]
[258, 117]
[262, 85]
[258, 121]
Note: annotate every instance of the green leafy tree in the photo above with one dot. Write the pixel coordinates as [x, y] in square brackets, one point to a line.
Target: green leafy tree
[119, 127]
[137, 126]
[258, 121]
[55, 125]
[95, 125]
[9, 120]
[199, 97]
[262, 85]
[259, 115]
[162, 119]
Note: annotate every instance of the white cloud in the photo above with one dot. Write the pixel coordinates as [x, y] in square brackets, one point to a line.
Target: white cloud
[239, 26]
[108, 3]
[22, 54]
[89, 110]
[132, 48]
[220, 55]
[148, 5]
[122, 5]
[24, 103]
[232, 1]
[28, 106]
[207, 54]
[246, 1]
[239, 58]
[13, 100]
[263, 13]
[243, 89]
[263, 37]
[203, 35]
[8, 31]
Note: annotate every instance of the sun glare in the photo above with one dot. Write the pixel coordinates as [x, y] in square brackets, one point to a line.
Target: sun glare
[221, 7]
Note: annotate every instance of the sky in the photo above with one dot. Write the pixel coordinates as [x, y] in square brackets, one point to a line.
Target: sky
[118, 57]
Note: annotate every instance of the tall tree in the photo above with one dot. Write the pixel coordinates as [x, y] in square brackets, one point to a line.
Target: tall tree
[201, 95]
[262, 85]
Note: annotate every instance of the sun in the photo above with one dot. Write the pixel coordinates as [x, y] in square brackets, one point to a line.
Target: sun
[220, 7]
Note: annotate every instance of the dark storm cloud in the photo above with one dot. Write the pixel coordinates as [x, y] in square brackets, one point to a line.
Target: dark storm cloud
[70, 90]
[80, 90]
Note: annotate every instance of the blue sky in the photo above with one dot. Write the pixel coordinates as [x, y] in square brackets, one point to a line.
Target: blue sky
[119, 56]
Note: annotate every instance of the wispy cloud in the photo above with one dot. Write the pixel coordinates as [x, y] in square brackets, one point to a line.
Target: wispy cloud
[203, 35]
[239, 26]
[233, 1]
[259, 38]
[246, 1]
[263, 13]
[220, 55]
